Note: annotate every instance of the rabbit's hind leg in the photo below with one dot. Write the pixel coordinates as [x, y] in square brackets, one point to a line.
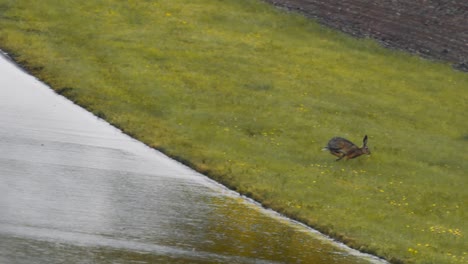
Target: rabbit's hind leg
[339, 154]
[340, 157]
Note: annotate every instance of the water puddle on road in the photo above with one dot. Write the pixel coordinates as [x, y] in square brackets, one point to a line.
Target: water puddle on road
[73, 189]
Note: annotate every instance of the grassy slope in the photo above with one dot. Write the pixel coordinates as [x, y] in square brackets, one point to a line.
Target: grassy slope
[249, 95]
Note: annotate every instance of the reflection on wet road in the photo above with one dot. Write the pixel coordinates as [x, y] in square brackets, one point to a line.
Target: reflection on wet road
[73, 189]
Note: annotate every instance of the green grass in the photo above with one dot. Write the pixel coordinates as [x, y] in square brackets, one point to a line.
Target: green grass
[249, 94]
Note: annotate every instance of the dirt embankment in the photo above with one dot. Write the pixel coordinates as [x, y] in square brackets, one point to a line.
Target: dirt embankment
[436, 29]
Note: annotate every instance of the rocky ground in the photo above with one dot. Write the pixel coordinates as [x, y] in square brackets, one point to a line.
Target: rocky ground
[436, 29]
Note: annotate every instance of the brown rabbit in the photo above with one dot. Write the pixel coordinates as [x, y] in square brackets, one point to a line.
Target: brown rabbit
[341, 148]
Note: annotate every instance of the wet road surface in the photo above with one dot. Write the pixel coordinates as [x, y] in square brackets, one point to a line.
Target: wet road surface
[73, 189]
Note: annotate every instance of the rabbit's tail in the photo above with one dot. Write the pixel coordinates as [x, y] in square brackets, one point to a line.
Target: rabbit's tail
[325, 149]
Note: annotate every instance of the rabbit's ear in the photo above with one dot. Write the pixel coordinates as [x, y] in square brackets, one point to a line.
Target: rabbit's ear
[365, 140]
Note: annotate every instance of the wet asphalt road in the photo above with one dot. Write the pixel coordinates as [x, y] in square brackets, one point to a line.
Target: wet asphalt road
[74, 189]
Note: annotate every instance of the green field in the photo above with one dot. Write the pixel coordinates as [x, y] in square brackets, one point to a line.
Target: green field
[249, 94]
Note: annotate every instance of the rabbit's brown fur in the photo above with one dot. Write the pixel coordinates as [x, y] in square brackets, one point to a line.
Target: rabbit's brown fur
[342, 147]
